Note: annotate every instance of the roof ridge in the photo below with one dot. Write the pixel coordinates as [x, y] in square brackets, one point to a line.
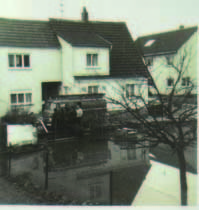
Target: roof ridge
[23, 20]
[166, 32]
[90, 21]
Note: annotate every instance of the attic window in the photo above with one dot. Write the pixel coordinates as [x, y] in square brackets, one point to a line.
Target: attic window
[149, 43]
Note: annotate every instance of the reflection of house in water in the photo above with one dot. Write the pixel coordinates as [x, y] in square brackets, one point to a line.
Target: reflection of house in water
[101, 173]
[127, 150]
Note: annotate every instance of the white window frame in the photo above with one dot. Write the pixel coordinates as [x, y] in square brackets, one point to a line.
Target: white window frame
[172, 83]
[169, 59]
[66, 90]
[93, 87]
[130, 94]
[92, 65]
[186, 81]
[15, 61]
[25, 103]
[149, 61]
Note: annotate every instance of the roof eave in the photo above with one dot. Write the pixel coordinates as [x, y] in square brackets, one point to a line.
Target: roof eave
[89, 46]
[159, 53]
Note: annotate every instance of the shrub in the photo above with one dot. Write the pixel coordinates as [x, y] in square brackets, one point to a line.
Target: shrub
[19, 117]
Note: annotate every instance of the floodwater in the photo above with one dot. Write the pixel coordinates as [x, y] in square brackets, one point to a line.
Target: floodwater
[97, 171]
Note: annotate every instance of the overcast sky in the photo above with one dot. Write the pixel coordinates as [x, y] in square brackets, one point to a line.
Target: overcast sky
[142, 16]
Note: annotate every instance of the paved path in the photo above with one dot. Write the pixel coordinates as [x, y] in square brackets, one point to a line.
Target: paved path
[10, 194]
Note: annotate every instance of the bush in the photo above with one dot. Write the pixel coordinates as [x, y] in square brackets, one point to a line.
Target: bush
[19, 117]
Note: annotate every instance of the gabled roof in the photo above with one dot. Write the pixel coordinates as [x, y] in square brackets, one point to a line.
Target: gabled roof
[164, 43]
[124, 57]
[78, 34]
[27, 33]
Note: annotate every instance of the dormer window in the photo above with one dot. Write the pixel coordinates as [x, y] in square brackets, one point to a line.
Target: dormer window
[149, 43]
[92, 60]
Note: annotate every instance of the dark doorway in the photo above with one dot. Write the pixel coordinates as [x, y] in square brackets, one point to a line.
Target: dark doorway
[50, 89]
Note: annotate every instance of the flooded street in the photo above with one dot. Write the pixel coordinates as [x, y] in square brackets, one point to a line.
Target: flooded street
[97, 171]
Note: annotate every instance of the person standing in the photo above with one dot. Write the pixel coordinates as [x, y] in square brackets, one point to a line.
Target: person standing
[79, 114]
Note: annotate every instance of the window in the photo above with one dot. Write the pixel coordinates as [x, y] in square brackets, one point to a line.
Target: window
[169, 59]
[149, 61]
[92, 60]
[19, 61]
[130, 90]
[17, 99]
[149, 43]
[170, 82]
[185, 81]
[93, 89]
[66, 89]
[95, 191]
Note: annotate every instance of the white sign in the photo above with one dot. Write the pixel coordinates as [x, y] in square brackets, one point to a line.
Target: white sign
[21, 135]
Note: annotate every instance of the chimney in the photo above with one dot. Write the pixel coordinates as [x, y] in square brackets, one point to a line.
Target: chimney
[84, 15]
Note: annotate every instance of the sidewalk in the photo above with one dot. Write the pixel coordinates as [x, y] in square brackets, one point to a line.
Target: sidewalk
[10, 194]
[161, 187]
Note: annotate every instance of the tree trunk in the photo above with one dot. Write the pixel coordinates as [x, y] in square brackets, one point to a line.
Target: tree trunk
[183, 178]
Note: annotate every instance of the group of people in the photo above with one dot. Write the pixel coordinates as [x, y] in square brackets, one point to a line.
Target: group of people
[68, 118]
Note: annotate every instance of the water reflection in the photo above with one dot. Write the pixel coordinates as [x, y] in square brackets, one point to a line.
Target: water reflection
[90, 171]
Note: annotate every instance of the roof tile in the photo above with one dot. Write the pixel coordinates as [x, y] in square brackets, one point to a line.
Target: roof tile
[27, 33]
[168, 42]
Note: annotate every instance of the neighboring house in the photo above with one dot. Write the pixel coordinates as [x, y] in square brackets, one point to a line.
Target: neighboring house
[161, 50]
[42, 59]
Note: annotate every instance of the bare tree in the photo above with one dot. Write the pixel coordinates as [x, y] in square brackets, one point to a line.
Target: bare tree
[173, 109]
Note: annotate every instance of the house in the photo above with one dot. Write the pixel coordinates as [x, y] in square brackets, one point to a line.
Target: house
[42, 59]
[161, 51]
[29, 63]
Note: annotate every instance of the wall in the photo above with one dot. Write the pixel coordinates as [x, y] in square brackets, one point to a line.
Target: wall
[114, 88]
[160, 71]
[45, 67]
[73, 62]
[66, 62]
[79, 65]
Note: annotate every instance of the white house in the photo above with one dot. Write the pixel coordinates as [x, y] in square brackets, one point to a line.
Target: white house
[42, 59]
[161, 50]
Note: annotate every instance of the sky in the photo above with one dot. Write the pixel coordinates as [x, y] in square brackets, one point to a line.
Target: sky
[142, 17]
